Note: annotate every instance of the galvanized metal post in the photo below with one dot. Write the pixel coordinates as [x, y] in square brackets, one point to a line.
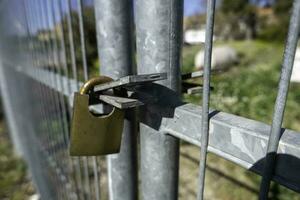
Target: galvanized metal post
[114, 35]
[159, 30]
[285, 76]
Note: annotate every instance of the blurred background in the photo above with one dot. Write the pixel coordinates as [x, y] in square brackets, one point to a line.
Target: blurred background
[248, 46]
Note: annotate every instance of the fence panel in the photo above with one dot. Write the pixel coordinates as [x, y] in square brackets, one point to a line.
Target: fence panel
[40, 71]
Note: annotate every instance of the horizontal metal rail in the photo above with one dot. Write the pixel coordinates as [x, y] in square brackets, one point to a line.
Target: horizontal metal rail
[238, 139]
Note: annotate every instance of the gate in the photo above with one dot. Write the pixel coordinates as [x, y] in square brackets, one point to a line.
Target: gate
[39, 74]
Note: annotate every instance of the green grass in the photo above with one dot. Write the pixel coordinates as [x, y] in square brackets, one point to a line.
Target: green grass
[14, 184]
[247, 89]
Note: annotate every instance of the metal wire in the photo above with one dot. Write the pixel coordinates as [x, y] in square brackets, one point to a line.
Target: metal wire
[285, 76]
[52, 60]
[71, 39]
[75, 76]
[45, 94]
[43, 125]
[86, 76]
[50, 127]
[36, 63]
[56, 8]
[206, 93]
[82, 39]
[75, 161]
[61, 68]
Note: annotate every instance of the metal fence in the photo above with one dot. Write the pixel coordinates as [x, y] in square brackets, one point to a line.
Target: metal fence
[38, 82]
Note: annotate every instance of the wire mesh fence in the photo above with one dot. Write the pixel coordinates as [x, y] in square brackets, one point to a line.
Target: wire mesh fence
[41, 69]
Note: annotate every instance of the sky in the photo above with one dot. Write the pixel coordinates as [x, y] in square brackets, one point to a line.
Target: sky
[192, 7]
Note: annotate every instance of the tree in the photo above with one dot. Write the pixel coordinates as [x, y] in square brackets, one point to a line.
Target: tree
[277, 29]
[281, 7]
[239, 17]
[194, 21]
[237, 6]
[90, 38]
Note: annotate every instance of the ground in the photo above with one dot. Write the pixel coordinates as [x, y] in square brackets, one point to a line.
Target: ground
[15, 183]
[249, 89]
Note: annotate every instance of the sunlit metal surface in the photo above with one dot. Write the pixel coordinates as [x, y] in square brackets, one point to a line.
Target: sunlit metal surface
[39, 73]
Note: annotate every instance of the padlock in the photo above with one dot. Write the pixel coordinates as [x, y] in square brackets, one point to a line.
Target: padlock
[93, 135]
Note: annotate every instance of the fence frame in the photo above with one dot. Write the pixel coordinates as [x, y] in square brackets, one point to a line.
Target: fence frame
[270, 151]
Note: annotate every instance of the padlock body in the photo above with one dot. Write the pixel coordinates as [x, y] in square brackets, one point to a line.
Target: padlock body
[94, 135]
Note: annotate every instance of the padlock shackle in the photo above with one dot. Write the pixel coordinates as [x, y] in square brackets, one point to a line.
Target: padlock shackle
[88, 85]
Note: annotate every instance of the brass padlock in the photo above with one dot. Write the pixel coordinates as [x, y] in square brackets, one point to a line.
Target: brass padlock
[94, 135]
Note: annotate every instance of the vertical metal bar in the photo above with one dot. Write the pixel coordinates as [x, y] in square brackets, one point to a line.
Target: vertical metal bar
[159, 39]
[52, 60]
[34, 63]
[286, 71]
[75, 161]
[206, 93]
[75, 77]
[36, 14]
[60, 159]
[24, 120]
[82, 40]
[46, 95]
[39, 94]
[58, 68]
[114, 36]
[52, 66]
[96, 178]
[71, 40]
[47, 60]
[86, 76]
[61, 68]
[57, 9]
[58, 97]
